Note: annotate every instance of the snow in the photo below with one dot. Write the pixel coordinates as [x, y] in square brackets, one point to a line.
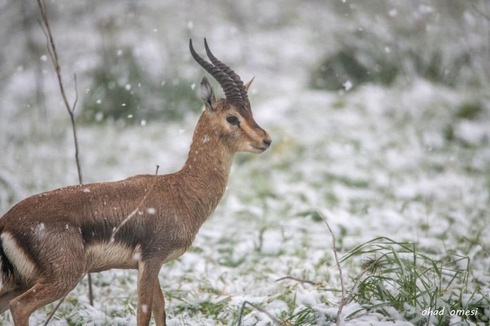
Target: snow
[347, 85]
[472, 133]
[41, 231]
[394, 161]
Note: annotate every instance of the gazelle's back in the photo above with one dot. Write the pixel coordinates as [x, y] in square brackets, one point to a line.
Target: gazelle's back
[122, 220]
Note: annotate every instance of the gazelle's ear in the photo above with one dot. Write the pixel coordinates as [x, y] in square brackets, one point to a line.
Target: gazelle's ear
[247, 85]
[207, 94]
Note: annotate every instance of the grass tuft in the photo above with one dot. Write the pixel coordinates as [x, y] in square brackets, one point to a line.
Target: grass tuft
[424, 289]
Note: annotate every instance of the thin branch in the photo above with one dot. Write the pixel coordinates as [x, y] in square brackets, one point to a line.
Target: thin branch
[273, 318]
[346, 295]
[53, 54]
[295, 279]
[75, 136]
[137, 209]
[355, 287]
[480, 12]
[343, 301]
[58, 305]
[54, 310]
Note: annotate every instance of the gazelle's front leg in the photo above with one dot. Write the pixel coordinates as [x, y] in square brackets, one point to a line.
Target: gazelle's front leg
[147, 280]
[159, 305]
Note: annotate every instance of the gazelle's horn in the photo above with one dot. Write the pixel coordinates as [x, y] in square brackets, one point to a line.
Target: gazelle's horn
[233, 91]
[229, 72]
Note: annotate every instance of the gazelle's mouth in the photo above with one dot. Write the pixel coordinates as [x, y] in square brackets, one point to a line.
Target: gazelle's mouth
[259, 149]
[265, 144]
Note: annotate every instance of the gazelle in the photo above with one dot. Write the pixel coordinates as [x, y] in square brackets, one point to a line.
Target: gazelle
[51, 240]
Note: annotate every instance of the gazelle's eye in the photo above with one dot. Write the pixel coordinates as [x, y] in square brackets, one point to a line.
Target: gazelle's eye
[232, 120]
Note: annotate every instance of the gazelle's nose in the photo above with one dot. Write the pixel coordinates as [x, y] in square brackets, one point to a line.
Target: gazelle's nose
[267, 142]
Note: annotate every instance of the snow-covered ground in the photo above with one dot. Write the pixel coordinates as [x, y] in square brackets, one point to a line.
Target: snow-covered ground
[404, 161]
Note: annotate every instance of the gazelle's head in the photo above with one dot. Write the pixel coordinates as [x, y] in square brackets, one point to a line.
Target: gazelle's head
[231, 116]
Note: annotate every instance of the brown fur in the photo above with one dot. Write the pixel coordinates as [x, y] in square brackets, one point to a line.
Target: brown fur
[50, 240]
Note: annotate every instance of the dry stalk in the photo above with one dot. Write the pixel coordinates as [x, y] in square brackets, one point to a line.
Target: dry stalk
[137, 209]
[346, 295]
[344, 299]
[273, 318]
[53, 54]
[296, 279]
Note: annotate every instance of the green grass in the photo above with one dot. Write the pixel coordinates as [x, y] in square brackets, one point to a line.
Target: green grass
[400, 275]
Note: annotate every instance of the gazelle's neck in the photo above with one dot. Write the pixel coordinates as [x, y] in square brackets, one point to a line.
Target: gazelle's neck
[208, 165]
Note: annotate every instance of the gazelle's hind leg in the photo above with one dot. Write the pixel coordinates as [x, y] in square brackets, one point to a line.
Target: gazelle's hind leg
[42, 293]
[159, 305]
[59, 267]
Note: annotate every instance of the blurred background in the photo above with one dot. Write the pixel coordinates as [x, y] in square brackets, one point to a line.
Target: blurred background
[133, 66]
[136, 53]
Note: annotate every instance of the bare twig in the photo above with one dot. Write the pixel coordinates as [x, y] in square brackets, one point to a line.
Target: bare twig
[355, 287]
[295, 279]
[53, 54]
[346, 295]
[137, 209]
[343, 301]
[54, 310]
[480, 11]
[274, 319]
[57, 306]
